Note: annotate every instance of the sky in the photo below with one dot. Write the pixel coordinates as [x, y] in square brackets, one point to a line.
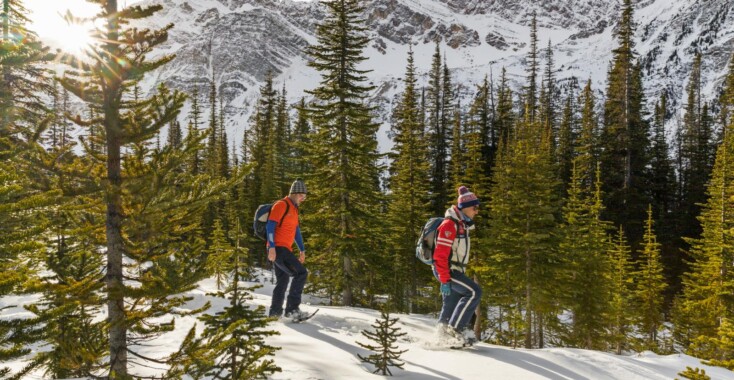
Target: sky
[48, 22]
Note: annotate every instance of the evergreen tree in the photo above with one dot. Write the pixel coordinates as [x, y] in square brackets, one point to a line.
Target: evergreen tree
[262, 143]
[547, 107]
[583, 246]
[301, 139]
[523, 207]
[721, 348]
[234, 339]
[707, 299]
[694, 154]
[158, 240]
[450, 123]
[438, 135]
[23, 207]
[625, 135]
[505, 118]
[23, 222]
[481, 120]
[620, 320]
[386, 353]
[458, 152]
[663, 175]
[175, 134]
[219, 252]
[193, 130]
[565, 151]
[530, 106]
[24, 75]
[409, 195]
[649, 286]
[281, 149]
[587, 146]
[726, 102]
[344, 155]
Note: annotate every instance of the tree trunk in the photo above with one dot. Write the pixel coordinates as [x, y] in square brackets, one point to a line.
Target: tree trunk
[115, 244]
[528, 312]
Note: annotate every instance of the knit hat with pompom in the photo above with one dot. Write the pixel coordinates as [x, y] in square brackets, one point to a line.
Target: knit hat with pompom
[466, 198]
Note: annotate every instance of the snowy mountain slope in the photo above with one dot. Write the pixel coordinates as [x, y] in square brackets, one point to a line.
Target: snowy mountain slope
[237, 41]
[325, 348]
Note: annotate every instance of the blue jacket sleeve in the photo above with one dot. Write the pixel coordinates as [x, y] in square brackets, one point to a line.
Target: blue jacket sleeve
[299, 239]
[270, 228]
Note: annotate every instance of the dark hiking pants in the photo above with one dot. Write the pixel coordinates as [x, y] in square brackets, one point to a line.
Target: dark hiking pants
[286, 266]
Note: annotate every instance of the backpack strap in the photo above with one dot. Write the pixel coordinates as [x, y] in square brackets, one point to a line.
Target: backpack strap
[287, 208]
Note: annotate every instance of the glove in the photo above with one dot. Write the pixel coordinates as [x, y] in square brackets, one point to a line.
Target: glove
[446, 289]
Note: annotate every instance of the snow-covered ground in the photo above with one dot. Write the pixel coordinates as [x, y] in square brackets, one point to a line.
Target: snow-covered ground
[325, 348]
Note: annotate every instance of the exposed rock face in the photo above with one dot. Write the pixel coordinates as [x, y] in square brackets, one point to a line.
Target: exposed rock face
[238, 41]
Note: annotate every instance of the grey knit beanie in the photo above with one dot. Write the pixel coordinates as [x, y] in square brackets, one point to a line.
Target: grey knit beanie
[298, 187]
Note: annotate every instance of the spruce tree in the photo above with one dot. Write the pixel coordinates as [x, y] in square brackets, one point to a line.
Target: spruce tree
[481, 119]
[695, 145]
[583, 248]
[620, 320]
[149, 209]
[707, 299]
[193, 130]
[649, 287]
[344, 185]
[234, 339]
[175, 134]
[219, 253]
[409, 199]
[386, 353]
[281, 148]
[530, 106]
[625, 135]
[504, 121]
[263, 144]
[438, 135]
[587, 146]
[547, 107]
[565, 151]
[726, 102]
[522, 222]
[663, 175]
[457, 164]
[301, 139]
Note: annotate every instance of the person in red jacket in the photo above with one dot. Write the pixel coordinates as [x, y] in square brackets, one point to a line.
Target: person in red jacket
[283, 228]
[460, 294]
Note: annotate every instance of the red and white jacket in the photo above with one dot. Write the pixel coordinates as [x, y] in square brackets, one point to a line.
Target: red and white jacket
[452, 245]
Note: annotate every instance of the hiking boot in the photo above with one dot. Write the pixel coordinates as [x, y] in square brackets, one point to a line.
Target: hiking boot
[296, 314]
[449, 336]
[469, 336]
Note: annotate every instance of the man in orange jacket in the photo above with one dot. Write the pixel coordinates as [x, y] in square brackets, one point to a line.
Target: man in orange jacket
[283, 228]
